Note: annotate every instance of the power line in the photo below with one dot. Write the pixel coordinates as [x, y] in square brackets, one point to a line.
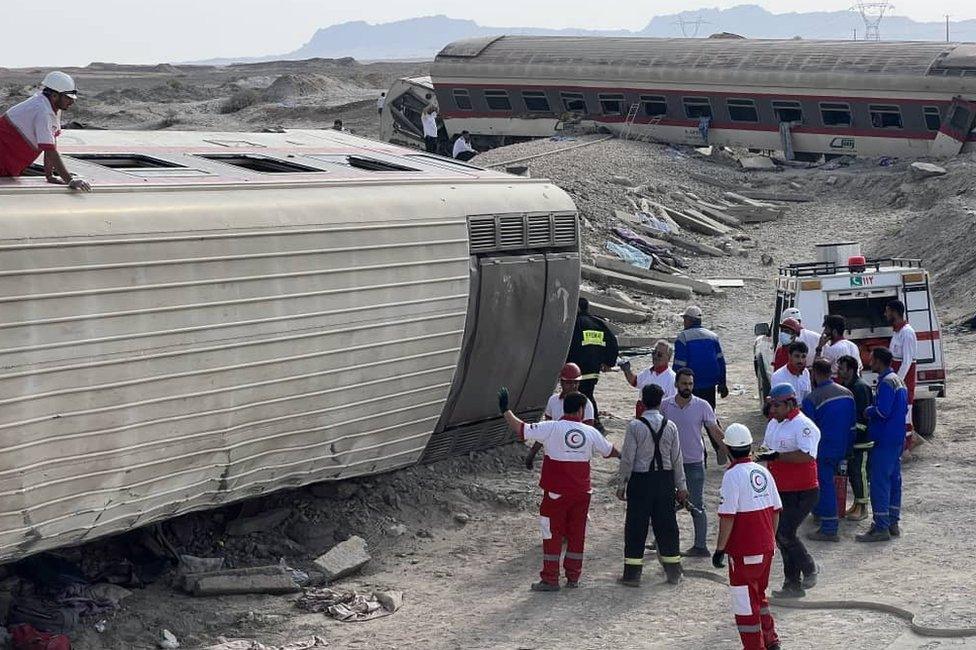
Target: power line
[690, 28]
[872, 13]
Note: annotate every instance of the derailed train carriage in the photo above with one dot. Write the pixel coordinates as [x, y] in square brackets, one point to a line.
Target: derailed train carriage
[810, 98]
[231, 314]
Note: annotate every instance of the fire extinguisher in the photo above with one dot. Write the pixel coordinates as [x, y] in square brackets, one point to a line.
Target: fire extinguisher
[840, 487]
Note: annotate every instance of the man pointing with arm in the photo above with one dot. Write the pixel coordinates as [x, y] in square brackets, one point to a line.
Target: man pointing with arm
[569, 444]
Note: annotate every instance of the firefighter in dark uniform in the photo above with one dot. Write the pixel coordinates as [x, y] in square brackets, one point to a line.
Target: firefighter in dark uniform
[593, 349]
[857, 468]
[651, 479]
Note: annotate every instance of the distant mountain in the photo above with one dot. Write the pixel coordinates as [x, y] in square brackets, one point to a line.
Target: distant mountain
[752, 21]
[415, 38]
[422, 38]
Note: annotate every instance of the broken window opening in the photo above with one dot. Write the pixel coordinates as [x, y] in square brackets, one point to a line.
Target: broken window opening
[742, 110]
[697, 107]
[788, 111]
[574, 102]
[835, 114]
[462, 99]
[654, 105]
[611, 104]
[885, 117]
[497, 100]
[535, 101]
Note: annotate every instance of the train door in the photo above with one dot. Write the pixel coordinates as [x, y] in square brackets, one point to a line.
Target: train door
[955, 129]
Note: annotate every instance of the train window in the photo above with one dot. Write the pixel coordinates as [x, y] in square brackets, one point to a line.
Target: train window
[743, 110]
[960, 119]
[535, 101]
[885, 117]
[697, 107]
[125, 161]
[788, 111]
[654, 105]
[933, 118]
[367, 163]
[498, 100]
[835, 114]
[611, 104]
[257, 163]
[462, 99]
[574, 102]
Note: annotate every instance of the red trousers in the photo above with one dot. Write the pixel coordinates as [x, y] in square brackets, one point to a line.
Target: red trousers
[748, 579]
[563, 517]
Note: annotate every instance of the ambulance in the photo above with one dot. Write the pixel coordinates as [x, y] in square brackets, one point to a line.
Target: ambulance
[842, 282]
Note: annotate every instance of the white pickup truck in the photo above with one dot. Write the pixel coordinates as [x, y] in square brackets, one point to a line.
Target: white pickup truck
[843, 283]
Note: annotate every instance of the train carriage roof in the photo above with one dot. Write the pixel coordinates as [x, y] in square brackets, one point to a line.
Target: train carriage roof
[728, 58]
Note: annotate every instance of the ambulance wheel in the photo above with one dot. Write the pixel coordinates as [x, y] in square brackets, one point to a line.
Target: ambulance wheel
[923, 417]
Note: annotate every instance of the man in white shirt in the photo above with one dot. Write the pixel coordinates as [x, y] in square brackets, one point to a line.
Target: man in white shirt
[904, 349]
[33, 126]
[795, 372]
[833, 345]
[428, 118]
[380, 103]
[811, 338]
[569, 382]
[462, 147]
[660, 373]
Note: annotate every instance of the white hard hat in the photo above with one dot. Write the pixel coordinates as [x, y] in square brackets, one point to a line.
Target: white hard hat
[792, 312]
[694, 311]
[60, 82]
[737, 435]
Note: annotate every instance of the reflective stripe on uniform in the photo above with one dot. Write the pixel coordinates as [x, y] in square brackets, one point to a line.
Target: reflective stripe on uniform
[574, 556]
[764, 611]
[593, 337]
[749, 628]
[592, 375]
[670, 559]
[634, 561]
[549, 558]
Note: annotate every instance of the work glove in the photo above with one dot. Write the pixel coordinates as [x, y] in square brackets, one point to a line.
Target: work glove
[502, 400]
[718, 559]
[624, 364]
[723, 390]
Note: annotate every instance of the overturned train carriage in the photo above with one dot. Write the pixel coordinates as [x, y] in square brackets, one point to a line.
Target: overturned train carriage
[864, 98]
[232, 314]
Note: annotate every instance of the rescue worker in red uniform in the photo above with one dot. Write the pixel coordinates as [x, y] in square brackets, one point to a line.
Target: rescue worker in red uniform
[565, 482]
[904, 350]
[651, 478]
[569, 382]
[33, 126]
[790, 449]
[748, 519]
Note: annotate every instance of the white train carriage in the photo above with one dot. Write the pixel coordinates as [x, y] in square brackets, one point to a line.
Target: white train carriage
[229, 314]
[859, 98]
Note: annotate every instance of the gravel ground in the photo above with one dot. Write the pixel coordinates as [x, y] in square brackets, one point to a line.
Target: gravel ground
[466, 584]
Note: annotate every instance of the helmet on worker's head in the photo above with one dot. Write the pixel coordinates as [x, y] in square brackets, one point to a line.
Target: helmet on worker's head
[792, 312]
[737, 435]
[60, 82]
[792, 325]
[570, 372]
[782, 391]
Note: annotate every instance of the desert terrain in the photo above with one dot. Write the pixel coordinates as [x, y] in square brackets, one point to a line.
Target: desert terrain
[459, 538]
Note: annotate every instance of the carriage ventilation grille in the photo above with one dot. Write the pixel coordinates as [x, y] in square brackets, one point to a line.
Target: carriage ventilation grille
[513, 232]
[471, 437]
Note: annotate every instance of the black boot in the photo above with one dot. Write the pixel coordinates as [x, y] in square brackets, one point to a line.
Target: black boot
[894, 530]
[875, 534]
[673, 571]
[790, 590]
[632, 575]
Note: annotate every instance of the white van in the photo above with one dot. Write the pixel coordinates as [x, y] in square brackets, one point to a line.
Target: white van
[837, 284]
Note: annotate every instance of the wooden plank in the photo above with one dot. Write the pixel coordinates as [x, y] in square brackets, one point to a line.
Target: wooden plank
[719, 214]
[693, 224]
[617, 314]
[618, 266]
[607, 300]
[726, 283]
[665, 289]
[683, 243]
[791, 197]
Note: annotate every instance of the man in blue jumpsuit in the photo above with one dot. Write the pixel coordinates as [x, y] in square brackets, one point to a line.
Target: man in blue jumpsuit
[832, 408]
[886, 427]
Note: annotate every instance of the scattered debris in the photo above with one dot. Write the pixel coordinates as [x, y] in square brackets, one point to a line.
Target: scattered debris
[462, 517]
[922, 170]
[344, 559]
[726, 283]
[191, 564]
[167, 641]
[397, 530]
[350, 606]
[273, 579]
[249, 644]
[667, 289]
[697, 286]
[621, 180]
[264, 521]
[766, 259]
[758, 164]
[26, 637]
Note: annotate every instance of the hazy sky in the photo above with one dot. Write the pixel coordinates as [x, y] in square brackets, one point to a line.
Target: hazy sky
[76, 32]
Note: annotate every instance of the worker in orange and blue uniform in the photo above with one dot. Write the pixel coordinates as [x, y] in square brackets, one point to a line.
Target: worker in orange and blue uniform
[832, 408]
[886, 427]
